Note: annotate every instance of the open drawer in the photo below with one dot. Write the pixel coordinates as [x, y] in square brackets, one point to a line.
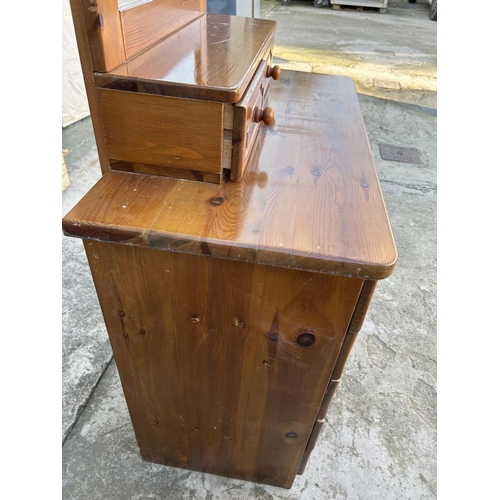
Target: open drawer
[185, 138]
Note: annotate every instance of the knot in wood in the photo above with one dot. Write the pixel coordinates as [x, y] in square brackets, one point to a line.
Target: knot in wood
[100, 21]
[306, 339]
[216, 201]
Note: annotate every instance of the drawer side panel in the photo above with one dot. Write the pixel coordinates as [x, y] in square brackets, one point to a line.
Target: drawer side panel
[160, 130]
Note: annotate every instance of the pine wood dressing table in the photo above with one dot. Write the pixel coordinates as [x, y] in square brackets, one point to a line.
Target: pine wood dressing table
[232, 289]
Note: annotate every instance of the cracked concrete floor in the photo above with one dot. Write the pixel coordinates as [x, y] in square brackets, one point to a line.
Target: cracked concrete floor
[379, 441]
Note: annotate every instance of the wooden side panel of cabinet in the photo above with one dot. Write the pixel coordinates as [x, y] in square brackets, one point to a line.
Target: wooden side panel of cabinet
[104, 32]
[115, 35]
[86, 55]
[159, 130]
[224, 364]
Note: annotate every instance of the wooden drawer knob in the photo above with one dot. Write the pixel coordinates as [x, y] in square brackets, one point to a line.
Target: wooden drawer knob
[274, 72]
[265, 115]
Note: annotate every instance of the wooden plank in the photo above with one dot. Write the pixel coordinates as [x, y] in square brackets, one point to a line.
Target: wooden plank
[279, 213]
[130, 220]
[149, 22]
[104, 31]
[265, 218]
[223, 363]
[79, 22]
[161, 170]
[193, 62]
[115, 35]
[338, 177]
[224, 222]
[162, 130]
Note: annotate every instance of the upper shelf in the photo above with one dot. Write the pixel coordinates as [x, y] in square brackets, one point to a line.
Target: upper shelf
[214, 58]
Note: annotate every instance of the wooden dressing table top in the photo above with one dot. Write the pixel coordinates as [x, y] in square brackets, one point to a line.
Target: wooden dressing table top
[214, 57]
[310, 198]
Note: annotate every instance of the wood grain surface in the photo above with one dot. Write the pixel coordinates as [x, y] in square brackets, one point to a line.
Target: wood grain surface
[114, 36]
[98, 30]
[145, 24]
[104, 32]
[310, 199]
[357, 320]
[179, 173]
[355, 325]
[214, 58]
[162, 135]
[83, 43]
[246, 124]
[158, 130]
[224, 364]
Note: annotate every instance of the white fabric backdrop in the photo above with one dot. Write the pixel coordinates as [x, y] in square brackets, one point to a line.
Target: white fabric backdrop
[74, 99]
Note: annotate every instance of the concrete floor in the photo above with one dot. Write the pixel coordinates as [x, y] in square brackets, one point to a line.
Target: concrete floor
[379, 441]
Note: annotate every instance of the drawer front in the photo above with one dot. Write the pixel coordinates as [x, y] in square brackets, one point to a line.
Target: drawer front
[248, 118]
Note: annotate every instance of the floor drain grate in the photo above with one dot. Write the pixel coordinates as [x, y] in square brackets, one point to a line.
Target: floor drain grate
[398, 153]
[386, 84]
